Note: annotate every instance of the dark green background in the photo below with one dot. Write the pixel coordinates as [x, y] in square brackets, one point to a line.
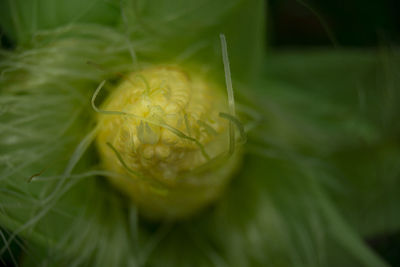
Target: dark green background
[354, 24]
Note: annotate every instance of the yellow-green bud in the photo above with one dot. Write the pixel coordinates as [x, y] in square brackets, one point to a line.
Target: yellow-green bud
[167, 141]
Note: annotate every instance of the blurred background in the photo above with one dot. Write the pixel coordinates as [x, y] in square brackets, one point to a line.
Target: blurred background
[355, 23]
[332, 24]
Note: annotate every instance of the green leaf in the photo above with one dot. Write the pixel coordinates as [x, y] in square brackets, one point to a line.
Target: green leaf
[21, 20]
[339, 108]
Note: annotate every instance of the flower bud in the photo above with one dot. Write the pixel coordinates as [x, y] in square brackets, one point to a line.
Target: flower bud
[162, 132]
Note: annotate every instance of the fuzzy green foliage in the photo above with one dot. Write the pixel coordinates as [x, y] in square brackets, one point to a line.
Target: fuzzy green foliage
[321, 154]
[354, 126]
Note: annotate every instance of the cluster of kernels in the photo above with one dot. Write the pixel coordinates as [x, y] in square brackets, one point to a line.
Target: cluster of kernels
[153, 100]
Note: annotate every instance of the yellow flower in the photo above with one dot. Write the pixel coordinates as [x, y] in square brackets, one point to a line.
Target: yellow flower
[162, 131]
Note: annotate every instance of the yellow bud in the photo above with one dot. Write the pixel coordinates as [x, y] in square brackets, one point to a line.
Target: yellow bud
[167, 141]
